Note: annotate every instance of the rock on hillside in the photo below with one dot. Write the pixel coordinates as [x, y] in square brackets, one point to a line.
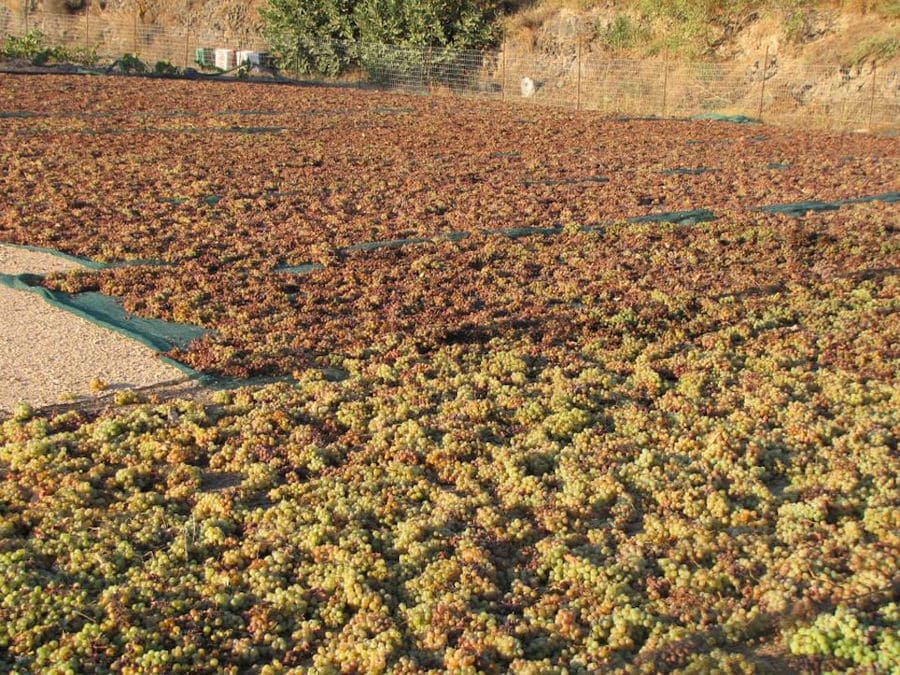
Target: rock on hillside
[822, 34]
[859, 34]
[851, 33]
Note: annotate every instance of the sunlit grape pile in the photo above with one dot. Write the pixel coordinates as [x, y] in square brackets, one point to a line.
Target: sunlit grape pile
[644, 448]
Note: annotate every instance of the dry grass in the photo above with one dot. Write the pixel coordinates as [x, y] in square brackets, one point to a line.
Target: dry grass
[522, 27]
[697, 28]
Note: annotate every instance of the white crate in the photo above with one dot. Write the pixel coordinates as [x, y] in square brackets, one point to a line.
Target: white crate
[225, 59]
[245, 56]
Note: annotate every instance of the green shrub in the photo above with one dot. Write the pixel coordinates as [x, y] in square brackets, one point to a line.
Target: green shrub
[78, 55]
[623, 33]
[874, 48]
[165, 68]
[796, 26]
[26, 47]
[32, 46]
[129, 63]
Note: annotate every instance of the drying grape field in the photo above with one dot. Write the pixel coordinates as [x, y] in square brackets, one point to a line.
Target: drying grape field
[549, 392]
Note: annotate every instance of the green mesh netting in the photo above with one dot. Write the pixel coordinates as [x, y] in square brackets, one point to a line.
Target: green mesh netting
[567, 181]
[692, 217]
[157, 130]
[387, 243]
[247, 130]
[678, 217]
[163, 336]
[516, 232]
[141, 114]
[408, 241]
[87, 262]
[84, 262]
[387, 110]
[686, 171]
[800, 209]
[107, 311]
[209, 200]
[225, 113]
[736, 119]
[304, 268]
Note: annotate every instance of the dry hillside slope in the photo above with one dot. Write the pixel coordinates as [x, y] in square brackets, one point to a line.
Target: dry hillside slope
[849, 33]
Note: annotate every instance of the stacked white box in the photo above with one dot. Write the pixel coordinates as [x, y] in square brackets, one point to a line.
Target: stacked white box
[245, 56]
[225, 59]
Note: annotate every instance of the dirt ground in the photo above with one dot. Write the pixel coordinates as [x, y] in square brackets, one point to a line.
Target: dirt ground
[51, 357]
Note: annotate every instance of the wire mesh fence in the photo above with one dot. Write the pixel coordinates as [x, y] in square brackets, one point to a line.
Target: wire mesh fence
[830, 96]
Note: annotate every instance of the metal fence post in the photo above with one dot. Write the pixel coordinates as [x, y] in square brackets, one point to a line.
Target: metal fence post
[187, 39]
[665, 81]
[762, 89]
[503, 75]
[844, 118]
[620, 84]
[872, 97]
[578, 86]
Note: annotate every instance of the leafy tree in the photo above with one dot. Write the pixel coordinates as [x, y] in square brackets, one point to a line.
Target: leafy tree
[311, 36]
[328, 35]
[463, 24]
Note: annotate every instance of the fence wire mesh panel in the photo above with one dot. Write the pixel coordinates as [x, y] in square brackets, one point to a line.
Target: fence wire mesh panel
[66, 31]
[620, 87]
[706, 88]
[574, 76]
[541, 79]
[10, 21]
[837, 97]
[395, 67]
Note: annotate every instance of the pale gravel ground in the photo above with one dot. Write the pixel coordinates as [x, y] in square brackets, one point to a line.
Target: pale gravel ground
[48, 356]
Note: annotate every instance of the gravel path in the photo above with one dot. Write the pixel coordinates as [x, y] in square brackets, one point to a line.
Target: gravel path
[49, 356]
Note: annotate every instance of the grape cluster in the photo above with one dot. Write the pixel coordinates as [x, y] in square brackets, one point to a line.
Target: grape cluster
[659, 448]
